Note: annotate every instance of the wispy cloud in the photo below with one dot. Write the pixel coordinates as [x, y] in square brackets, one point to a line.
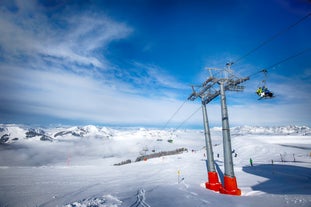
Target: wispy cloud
[68, 96]
[56, 66]
[72, 38]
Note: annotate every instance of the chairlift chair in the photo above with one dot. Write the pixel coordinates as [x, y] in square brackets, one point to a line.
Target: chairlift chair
[263, 90]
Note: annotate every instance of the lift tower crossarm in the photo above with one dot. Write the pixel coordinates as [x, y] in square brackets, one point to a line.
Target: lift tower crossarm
[233, 85]
[210, 97]
[205, 87]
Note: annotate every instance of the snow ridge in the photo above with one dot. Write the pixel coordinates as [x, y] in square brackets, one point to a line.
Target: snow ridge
[11, 132]
[104, 201]
[275, 130]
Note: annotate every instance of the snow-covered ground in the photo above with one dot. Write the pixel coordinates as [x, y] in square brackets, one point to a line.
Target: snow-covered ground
[75, 167]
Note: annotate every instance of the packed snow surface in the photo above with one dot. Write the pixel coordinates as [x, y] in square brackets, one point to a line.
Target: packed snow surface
[75, 166]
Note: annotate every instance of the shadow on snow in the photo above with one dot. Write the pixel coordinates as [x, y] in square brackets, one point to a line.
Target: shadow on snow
[282, 179]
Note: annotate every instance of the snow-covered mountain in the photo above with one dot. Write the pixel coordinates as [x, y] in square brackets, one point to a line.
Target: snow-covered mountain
[85, 131]
[279, 130]
[11, 133]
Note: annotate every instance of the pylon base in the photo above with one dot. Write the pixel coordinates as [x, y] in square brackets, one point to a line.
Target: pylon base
[213, 183]
[230, 186]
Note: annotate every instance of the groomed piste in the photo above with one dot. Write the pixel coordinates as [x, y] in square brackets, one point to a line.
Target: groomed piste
[76, 170]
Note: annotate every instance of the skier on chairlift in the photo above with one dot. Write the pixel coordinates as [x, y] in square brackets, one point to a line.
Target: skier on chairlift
[267, 92]
[260, 92]
[264, 92]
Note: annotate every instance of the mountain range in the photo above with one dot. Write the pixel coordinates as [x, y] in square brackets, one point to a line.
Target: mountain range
[10, 133]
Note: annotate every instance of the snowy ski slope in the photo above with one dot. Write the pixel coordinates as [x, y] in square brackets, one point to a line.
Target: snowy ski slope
[74, 166]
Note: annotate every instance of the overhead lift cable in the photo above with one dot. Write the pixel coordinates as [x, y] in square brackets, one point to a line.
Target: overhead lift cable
[273, 37]
[174, 114]
[265, 70]
[288, 58]
[191, 115]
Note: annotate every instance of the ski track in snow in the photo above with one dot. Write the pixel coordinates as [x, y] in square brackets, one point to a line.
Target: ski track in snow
[56, 199]
[141, 199]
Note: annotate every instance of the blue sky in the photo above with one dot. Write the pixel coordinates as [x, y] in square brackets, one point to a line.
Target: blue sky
[131, 63]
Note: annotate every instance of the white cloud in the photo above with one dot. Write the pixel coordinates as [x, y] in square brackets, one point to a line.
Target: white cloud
[270, 114]
[29, 32]
[164, 79]
[70, 96]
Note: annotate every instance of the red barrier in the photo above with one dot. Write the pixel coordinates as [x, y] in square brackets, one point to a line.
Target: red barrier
[230, 186]
[213, 182]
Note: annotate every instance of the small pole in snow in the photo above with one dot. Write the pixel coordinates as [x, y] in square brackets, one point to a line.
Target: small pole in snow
[282, 159]
[178, 176]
